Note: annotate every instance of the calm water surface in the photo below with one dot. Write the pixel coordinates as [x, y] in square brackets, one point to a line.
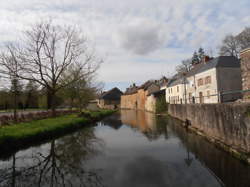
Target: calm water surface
[131, 149]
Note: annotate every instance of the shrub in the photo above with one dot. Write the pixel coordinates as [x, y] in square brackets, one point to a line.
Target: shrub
[9, 119]
[161, 105]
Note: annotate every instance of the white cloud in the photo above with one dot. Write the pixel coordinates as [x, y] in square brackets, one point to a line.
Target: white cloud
[141, 39]
[142, 36]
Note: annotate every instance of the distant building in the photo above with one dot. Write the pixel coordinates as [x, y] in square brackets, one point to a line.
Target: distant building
[245, 71]
[143, 97]
[208, 82]
[110, 99]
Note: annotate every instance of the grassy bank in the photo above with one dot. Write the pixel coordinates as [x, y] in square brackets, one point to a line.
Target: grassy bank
[23, 134]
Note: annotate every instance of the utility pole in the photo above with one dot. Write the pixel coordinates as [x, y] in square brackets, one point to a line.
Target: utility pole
[185, 89]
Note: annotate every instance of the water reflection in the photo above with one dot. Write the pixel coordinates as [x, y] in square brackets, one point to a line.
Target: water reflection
[127, 149]
[227, 170]
[58, 163]
[147, 123]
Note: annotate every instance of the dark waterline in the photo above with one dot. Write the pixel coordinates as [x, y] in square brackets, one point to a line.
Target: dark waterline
[128, 149]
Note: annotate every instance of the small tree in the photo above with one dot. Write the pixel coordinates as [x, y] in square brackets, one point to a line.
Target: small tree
[31, 95]
[244, 38]
[185, 66]
[10, 70]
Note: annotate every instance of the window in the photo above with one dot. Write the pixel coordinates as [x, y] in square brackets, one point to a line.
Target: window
[200, 82]
[208, 80]
[169, 90]
[208, 94]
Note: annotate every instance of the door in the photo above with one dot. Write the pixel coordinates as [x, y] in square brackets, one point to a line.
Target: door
[201, 97]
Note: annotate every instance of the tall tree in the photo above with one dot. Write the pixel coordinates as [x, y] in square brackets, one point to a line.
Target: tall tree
[195, 58]
[47, 51]
[201, 54]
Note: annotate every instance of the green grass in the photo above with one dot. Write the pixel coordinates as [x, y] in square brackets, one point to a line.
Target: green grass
[20, 134]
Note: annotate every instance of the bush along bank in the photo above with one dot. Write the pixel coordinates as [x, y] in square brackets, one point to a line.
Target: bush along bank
[22, 135]
[30, 116]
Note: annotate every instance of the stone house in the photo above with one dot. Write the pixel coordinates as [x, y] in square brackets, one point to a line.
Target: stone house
[135, 97]
[245, 72]
[152, 99]
[110, 99]
[211, 81]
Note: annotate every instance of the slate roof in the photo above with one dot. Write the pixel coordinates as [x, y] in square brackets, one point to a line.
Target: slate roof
[113, 94]
[131, 90]
[146, 84]
[219, 62]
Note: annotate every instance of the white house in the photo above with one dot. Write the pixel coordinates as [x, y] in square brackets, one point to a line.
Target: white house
[211, 81]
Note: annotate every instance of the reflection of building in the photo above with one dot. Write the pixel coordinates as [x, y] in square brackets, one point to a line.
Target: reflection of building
[145, 122]
[110, 99]
[206, 82]
[245, 72]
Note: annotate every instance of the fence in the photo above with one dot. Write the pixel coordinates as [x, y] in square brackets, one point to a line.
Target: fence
[220, 97]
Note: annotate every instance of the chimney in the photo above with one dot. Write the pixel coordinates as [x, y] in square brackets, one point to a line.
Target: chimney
[205, 59]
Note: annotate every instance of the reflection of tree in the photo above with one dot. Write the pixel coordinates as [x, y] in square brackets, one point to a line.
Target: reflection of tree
[113, 121]
[62, 165]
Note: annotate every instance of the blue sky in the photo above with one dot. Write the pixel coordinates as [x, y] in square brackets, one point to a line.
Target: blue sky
[138, 39]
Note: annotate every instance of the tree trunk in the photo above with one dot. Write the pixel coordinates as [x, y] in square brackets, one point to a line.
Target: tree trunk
[53, 103]
[15, 104]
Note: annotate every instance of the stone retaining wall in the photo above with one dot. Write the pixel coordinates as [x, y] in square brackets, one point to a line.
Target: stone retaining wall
[226, 124]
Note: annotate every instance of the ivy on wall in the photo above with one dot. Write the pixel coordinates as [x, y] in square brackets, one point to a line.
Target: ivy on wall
[161, 105]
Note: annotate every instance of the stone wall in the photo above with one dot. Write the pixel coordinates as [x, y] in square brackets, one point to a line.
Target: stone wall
[245, 72]
[226, 124]
[150, 104]
[134, 101]
[129, 101]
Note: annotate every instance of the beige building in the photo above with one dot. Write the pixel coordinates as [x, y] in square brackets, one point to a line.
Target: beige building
[212, 81]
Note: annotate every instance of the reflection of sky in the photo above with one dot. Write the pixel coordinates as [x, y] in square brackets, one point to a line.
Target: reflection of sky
[130, 159]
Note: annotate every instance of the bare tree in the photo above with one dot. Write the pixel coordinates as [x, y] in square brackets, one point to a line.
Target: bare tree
[9, 70]
[244, 38]
[47, 51]
[185, 66]
[230, 46]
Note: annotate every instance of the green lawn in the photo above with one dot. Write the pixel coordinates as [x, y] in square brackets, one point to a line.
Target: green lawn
[39, 130]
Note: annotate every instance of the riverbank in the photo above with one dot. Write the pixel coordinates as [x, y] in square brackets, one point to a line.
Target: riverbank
[21, 135]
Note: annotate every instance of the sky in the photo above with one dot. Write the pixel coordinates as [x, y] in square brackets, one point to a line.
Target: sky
[138, 39]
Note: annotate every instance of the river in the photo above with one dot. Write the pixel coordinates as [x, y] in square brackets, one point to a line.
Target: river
[127, 149]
